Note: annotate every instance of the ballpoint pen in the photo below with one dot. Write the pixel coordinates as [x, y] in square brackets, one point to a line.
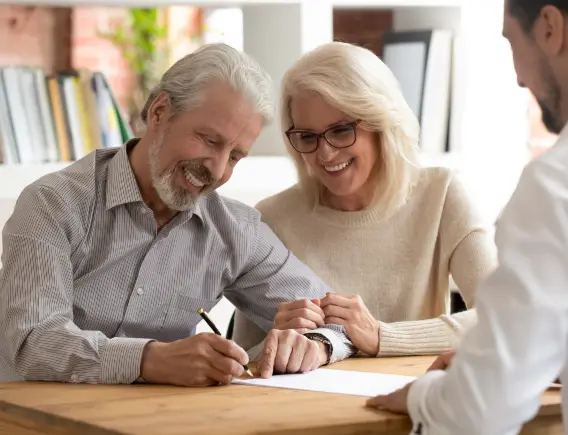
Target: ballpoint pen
[205, 317]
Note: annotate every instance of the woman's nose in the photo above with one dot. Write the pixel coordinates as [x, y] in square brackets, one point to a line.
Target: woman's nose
[325, 152]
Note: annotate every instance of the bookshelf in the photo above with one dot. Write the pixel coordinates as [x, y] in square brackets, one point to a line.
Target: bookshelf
[276, 173]
[23, 171]
[57, 118]
[488, 133]
[486, 127]
[229, 3]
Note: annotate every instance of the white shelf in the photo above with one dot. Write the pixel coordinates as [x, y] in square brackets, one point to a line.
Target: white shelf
[253, 179]
[145, 3]
[352, 4]
[371, 4]
[490, 183]
[13, 178]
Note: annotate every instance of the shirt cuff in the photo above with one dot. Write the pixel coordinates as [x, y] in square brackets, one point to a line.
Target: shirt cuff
[417, 396]
[121, 359]
[341, 348]
[419, 337]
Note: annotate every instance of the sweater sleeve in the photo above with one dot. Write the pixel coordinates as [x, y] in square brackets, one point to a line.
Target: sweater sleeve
[468, 250]
[424, 337]
[466, 243]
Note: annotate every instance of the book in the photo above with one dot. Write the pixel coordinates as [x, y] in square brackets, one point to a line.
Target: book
[57, 118]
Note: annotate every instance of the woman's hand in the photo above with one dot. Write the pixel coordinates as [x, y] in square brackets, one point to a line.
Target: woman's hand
[301, 316]
[351, 312]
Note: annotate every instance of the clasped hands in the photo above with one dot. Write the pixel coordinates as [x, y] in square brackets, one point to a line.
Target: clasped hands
[347, 310]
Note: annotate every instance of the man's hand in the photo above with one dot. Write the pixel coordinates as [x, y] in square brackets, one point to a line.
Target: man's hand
[290, 352]
[202, 360]
[395, 402]
[443, 361]
[301, 316]
[351, 312]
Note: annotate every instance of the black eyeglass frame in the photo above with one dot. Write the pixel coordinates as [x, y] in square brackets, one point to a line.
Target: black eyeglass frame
[322, 135]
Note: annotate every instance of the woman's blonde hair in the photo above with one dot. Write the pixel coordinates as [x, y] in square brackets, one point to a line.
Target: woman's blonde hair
[357, 82]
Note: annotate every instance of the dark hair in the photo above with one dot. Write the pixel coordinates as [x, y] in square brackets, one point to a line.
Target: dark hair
[527, 11]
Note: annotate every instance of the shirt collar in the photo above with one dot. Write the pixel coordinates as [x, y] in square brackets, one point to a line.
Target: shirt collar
[122, 187]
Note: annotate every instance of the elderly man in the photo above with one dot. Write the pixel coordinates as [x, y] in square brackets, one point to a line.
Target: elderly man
[107, 261]
[520, 343]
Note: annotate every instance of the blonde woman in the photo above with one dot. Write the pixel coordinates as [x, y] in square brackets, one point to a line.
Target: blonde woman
[385, 233]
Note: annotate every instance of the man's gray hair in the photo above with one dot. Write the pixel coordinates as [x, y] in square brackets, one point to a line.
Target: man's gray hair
[186, 80]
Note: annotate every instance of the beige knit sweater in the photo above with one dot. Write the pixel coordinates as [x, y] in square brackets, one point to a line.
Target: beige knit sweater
[399, 264]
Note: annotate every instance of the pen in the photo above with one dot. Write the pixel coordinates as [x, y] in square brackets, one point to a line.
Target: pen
[205, 317]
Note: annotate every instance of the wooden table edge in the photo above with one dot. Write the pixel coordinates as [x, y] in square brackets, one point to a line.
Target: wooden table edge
[30, 418]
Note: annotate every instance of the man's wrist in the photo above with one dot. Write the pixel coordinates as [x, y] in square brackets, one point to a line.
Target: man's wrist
[324, 348]
[150, 364]
[324, 344]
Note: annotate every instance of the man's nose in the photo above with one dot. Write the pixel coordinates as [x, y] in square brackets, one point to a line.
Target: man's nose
[217, 166]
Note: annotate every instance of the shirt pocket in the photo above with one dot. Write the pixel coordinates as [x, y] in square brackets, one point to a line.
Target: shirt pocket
[182, 316]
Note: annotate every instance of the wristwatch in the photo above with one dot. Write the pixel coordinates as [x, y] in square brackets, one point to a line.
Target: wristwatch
[322, 339]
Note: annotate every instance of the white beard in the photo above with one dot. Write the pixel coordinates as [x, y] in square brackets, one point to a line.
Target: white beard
[175, 198]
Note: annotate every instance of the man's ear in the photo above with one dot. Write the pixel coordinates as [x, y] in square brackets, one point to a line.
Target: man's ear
[550, 31]
[159, 111]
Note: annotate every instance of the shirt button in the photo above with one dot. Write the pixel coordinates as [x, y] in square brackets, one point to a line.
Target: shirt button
[143, 210]
[140, 291]
[74, 378]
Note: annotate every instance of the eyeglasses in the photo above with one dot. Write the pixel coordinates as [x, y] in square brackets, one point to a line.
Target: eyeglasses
[338, 136]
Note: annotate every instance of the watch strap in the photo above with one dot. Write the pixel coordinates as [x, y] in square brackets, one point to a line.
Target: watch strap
[324, 340]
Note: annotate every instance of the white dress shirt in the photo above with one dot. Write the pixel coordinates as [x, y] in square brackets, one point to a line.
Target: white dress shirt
[519, 344]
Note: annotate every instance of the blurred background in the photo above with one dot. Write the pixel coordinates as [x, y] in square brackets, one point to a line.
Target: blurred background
[75, 74]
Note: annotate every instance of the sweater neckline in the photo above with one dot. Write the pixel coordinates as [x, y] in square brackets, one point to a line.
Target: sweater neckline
[366, 217]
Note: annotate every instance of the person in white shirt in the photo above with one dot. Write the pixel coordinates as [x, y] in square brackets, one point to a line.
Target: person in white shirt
[520, 343]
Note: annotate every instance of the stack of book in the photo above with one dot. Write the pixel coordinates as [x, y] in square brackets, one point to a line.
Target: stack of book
[58, 118]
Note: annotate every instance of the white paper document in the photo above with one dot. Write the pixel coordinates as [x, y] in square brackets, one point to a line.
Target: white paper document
[335, 381]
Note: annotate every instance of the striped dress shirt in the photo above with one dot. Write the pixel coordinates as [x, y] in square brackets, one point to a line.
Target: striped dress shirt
[87, 279]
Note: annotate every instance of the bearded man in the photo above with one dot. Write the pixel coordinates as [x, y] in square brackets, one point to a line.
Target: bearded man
[106, 262]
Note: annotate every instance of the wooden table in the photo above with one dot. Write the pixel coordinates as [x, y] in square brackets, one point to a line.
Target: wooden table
[33, 408]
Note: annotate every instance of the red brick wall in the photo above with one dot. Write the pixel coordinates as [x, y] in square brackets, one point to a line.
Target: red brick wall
[59, 38]
[36, 36]
[62, 38]
[90, 51]
[363, 27]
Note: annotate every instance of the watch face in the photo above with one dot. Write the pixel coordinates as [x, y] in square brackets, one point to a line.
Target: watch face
[323, 340]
